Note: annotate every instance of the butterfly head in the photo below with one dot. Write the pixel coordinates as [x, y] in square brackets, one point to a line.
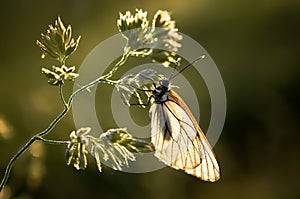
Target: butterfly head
[164, 83]
[160, 92]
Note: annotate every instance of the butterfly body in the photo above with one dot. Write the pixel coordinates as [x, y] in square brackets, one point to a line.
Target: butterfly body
[177, 137]
[160, 94]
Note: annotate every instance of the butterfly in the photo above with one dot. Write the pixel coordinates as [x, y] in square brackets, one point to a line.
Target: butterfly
[178, 139]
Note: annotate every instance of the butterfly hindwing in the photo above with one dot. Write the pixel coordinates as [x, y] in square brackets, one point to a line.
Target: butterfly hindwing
[179, 141]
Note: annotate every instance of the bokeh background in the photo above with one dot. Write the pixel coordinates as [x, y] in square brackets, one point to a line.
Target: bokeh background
[255, 45]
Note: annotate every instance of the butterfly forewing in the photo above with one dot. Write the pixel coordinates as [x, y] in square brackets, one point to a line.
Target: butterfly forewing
[179, 141]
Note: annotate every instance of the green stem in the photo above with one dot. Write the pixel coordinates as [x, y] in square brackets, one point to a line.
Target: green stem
[61, 94]
[28, 144]
[22, 150]
[124, 58]
[54, 122]
[14, 158]
[67, 105]
[102, 79]
[57, 142]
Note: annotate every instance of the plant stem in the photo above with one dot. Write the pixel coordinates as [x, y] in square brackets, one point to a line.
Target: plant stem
[103, 79]
[61, 94]
[14, 158]
[28, 144]
[124, 58]
[46, 141]
[67, 105]
[54, 122]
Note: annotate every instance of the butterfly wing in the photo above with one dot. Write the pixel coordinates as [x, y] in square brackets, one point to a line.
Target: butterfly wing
[179, 141]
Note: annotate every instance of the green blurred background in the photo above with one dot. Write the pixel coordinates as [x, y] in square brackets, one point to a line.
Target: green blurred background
[255, 45]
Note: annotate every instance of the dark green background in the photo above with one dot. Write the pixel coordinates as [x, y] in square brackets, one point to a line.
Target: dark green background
[255, 45]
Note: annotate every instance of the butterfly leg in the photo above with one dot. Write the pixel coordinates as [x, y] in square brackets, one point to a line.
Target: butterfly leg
[141, 104]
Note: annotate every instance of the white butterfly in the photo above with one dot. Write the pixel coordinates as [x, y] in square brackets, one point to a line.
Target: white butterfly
[179, 141]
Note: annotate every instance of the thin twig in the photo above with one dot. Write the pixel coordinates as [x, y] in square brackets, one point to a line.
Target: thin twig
[67, 105]
[57, 142]
[120, 63]
[14, 158]
[101, 79]
[28, 144]
[61, 94]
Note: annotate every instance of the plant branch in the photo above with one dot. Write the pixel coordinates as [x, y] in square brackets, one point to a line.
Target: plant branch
[61, 94]
[57, 142]
[124, 58]
[14, 158]
[67, 105]
[28, 144]
[102, 79]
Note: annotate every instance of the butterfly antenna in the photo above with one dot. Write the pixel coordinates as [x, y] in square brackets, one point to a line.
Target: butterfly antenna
[190, 64]
[177, 63]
